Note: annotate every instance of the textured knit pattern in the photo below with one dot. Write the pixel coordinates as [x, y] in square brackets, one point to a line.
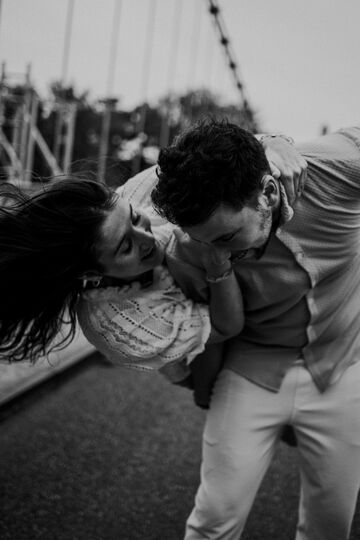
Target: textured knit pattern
[145, 329]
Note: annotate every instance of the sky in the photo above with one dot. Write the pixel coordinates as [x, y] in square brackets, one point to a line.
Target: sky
[298, 59]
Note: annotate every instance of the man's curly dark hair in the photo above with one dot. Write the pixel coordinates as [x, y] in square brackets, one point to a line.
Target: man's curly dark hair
[212, 163]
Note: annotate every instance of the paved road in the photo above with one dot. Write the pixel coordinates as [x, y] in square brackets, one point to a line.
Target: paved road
[99, 453]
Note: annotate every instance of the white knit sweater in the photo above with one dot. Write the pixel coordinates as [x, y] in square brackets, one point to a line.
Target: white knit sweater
[146, 329]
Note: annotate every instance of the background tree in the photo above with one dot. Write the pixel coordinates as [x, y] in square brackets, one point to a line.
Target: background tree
[134, 137]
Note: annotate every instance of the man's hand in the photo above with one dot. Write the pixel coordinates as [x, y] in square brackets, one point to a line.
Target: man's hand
[286, 164]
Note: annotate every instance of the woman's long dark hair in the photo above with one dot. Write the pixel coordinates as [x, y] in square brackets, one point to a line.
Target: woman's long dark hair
[47, 241]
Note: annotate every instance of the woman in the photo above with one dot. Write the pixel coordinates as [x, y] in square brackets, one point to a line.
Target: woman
[57, 245]
[75, 233]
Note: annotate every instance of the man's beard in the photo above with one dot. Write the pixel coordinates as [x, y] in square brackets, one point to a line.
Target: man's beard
[266, 225]
[266, 222]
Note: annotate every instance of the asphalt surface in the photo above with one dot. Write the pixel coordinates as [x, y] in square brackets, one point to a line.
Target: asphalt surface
[100, 453]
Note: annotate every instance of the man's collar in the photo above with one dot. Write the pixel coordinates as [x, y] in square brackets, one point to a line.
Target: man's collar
[284, 215]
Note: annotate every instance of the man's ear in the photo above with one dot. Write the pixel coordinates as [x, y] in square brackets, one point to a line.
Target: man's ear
[270, 190]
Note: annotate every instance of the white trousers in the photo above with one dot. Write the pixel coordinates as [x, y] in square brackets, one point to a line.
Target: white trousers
[242, 430]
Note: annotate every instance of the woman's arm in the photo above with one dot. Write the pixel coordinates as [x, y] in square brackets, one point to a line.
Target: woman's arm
[286, 163]
[226, 301]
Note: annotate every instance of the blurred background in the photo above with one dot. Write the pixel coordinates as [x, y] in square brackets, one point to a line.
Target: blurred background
[97, 87]
[100, 85]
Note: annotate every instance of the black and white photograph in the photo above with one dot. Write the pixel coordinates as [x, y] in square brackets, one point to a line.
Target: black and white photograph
[179, 270]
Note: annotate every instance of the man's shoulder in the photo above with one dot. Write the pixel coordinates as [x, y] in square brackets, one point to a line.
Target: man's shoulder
[334, 166]
[341, 145]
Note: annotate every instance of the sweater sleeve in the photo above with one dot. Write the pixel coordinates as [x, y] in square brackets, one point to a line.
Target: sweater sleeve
[146, 329]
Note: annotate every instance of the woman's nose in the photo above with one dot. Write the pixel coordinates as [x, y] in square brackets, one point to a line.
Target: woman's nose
[144, 234]
[145, 221]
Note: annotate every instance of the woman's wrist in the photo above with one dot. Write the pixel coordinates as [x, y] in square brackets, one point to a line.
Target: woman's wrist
[217, 262]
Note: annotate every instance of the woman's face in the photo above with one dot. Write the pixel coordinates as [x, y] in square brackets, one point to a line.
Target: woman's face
[128, 247]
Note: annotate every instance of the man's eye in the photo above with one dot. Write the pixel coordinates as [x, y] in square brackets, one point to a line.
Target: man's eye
[126, 247]
[227, 238]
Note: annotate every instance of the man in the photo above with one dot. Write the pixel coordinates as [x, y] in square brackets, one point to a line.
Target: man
[297, 360]
[285, 162]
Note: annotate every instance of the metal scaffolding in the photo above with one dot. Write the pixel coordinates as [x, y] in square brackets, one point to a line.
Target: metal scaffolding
[19, 132]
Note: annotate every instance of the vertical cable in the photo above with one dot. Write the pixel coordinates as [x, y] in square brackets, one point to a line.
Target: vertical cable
[0, 12]
[165, 127]
[67, 41]
[187, 112]
[194, 49]
[109, 102]
[149, 41]
[59, 123]
[113, 48]
[146, 67]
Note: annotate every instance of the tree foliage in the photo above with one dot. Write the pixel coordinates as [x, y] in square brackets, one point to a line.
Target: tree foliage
[131, 132]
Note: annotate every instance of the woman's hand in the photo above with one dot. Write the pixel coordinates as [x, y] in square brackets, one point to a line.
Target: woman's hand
[286, 164]
[216, 260]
